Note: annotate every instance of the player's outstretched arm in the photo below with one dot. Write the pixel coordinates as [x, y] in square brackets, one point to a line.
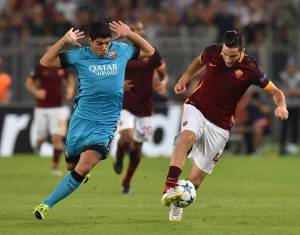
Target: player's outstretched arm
[123, 30]
[50, 58]
[281, 111]
[188, 75]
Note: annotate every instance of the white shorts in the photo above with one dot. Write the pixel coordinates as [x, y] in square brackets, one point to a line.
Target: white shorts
[211, 139]
[51, 121]
[142, 129]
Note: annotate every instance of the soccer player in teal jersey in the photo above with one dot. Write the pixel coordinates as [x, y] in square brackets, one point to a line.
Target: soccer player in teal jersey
[100, 69]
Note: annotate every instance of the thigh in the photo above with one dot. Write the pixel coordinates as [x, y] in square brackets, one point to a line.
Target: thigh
[126, 120]
[208, 149]
[142, 129]
[192, 120]
[57, 121]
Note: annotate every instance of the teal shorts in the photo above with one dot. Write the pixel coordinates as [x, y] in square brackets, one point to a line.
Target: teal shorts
[85, 135]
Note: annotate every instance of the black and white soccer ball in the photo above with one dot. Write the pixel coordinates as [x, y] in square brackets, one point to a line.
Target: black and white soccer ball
[188, 193]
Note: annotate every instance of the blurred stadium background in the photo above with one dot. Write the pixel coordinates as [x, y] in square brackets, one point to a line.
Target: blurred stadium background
[254, 195]
[180, 29]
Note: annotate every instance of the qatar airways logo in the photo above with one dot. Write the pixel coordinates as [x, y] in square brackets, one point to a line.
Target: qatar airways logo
[104, 69]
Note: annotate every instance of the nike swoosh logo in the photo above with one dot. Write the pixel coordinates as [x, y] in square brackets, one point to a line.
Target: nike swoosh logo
[212, 65]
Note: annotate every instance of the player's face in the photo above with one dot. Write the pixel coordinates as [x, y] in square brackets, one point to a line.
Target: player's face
[230, 55]
[138, 28]
[100, 46]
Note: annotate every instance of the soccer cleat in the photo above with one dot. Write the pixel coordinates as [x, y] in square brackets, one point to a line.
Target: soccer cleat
[126, 189]
[118, 168]
[86, 179]
[41, 211]
[56, 172]
[171, 195]
[175, 213]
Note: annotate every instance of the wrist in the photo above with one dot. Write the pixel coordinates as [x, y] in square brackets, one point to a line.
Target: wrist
[63, 40]
[282, 106]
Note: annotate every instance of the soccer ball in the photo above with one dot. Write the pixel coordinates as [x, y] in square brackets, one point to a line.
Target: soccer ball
[188, 193]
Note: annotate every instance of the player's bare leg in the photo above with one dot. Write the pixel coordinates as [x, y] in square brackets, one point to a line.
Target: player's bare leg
[58, 146]
[134, 160]
[177, 162]
[123, 145]
[69, 183]
[196, 175]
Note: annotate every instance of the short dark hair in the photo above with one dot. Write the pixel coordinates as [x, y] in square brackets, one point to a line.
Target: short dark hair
[99, 29]
[234, 39]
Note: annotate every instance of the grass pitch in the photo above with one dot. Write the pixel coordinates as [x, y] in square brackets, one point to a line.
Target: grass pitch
[244, 195]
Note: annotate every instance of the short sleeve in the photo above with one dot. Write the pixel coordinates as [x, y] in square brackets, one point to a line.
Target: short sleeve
[157, 61]
[131, 51]
[204, 55]
[259, 78]
[69, 58]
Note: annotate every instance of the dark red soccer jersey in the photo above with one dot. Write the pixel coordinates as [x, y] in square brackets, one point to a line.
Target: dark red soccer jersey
[139, 99]
[222, 87]
[51, 80]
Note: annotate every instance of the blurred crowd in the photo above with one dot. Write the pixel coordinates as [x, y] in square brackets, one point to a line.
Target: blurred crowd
[53, 17]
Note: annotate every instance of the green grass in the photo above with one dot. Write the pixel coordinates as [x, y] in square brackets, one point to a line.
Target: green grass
[244, 195]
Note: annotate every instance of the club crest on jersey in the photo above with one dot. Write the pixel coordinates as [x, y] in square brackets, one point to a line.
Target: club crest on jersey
[113, 54]
[238, 73]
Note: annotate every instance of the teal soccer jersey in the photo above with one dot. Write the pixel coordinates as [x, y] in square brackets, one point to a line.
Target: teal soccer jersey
[98, 103]
[101, 80]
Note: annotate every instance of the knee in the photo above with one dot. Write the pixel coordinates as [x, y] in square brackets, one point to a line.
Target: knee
[136, 147]
[57, 141]
[70, 166]
[84, 168]
[125, 138]
[188, 138]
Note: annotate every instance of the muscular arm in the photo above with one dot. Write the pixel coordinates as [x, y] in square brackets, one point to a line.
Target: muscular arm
[279, 99]
[70, 86]
[188, 75]
[146, 49]
[123, 30]
[32, 86]
[51, 58]
[160, 80]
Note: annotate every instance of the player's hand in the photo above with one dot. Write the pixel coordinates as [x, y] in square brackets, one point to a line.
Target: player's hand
[72, 37]
[41, 94]
[119, 28]
[281, 112]
[180, 88]
[128, 84]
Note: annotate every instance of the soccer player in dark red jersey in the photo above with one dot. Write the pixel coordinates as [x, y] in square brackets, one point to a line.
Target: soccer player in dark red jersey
[50, 116]
[135, 124]
[208, 114]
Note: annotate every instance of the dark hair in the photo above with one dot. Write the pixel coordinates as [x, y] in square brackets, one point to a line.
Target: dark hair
[234, 39]
[99, 29]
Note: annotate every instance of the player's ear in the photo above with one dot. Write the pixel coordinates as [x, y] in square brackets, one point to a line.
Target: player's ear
[90, 41]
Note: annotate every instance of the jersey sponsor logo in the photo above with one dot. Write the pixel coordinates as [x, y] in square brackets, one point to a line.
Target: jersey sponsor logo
[212, 65]
[104, 69]
[113, 54]
[238, 73]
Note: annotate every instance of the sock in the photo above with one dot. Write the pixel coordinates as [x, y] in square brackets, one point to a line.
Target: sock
[134, 160]
[67, 185]
[172, 177]
[56, 157]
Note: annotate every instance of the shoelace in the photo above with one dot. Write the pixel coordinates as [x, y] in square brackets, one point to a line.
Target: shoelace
[177, 211]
